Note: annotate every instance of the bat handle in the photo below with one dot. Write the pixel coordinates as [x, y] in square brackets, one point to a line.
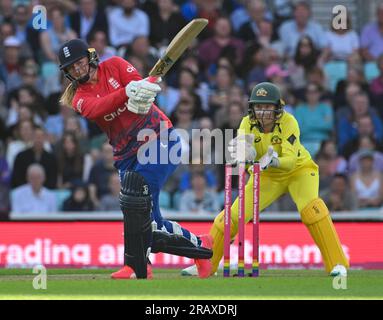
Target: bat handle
[152, 79]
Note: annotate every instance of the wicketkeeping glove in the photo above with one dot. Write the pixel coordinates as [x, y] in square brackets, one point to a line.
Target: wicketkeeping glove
[269, 159]
[241, 148]
[141, 95]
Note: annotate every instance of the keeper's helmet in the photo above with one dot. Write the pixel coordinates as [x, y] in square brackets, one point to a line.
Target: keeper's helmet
[265, 93]
[72, 51]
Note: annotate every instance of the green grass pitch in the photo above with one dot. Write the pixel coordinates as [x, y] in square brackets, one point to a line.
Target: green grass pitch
[168, 284]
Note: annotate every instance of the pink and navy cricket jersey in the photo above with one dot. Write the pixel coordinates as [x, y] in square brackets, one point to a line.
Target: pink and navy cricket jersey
[106, 104]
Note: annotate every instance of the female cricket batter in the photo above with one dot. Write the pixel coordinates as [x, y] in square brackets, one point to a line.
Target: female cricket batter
[286, 166]
[114, 95]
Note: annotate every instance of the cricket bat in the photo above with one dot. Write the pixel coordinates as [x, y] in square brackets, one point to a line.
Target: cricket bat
[176, 48]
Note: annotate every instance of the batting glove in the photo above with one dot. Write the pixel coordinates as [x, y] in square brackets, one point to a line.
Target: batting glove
[269, 159]
[141, 95]
[241, 148]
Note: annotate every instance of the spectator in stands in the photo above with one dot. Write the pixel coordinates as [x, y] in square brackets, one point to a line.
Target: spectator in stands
[35, 154]
[56, 35]
[33, 197]
[323, 162]
[23, 141]
[337, 163]
[210, 10]
[100, 173]
[79, 199]
[219, 95]
[275, 74]
[110, 201]
[165, 22]
[236, 112]
[7, 29]
[376, 87]
[352, 123]
[30, 75]
[250, 30]
[371, 40]
[366, 143]
[188, 81]
[18, 114]
[246, 11]
[3, 128]
[315, 120]
[126, 23]
[355, 75]
[234, 117]
[70, 161]
[55, 124]
[6, 10]
[74, 125]
[210, 49]
[68, 6]
[182, 117]
[50, 41]
[199, 199]
[98, 40]
[140, 48]
[341, 43]
[5, 179]
[339, 197]
[187, 86]
[21, 18]
[306, 57]
[9, 68]
[235, 96]
[168, 98]
[365, 127]
[29, 97]
[317, 76]
[367, 183]
[88, 19]
[290, 32]
[345, 98]
[253, 68]
[139, 64]
[197, 165]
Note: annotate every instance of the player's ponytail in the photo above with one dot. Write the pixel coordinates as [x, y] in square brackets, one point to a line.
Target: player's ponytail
[68, 95]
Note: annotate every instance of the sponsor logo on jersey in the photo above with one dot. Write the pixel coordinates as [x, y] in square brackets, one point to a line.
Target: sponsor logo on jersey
[79, 105]
[276, 140]
[257, 139]
[114, 83]
[291, 139]
[115, 114]
[130, 69]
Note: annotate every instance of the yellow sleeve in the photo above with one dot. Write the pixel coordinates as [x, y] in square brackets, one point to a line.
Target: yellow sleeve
[290, 145]
[244, 127]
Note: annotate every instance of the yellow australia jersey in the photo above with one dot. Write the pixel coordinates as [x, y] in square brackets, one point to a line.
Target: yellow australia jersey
[285, 140]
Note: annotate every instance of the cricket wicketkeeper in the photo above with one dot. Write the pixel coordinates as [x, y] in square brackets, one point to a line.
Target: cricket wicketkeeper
[114, 96]
[271, 136]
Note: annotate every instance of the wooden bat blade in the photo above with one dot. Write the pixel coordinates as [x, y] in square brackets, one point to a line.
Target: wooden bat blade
[177, 46]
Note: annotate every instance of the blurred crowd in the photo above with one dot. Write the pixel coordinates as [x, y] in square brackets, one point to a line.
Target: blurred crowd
[332, 81]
